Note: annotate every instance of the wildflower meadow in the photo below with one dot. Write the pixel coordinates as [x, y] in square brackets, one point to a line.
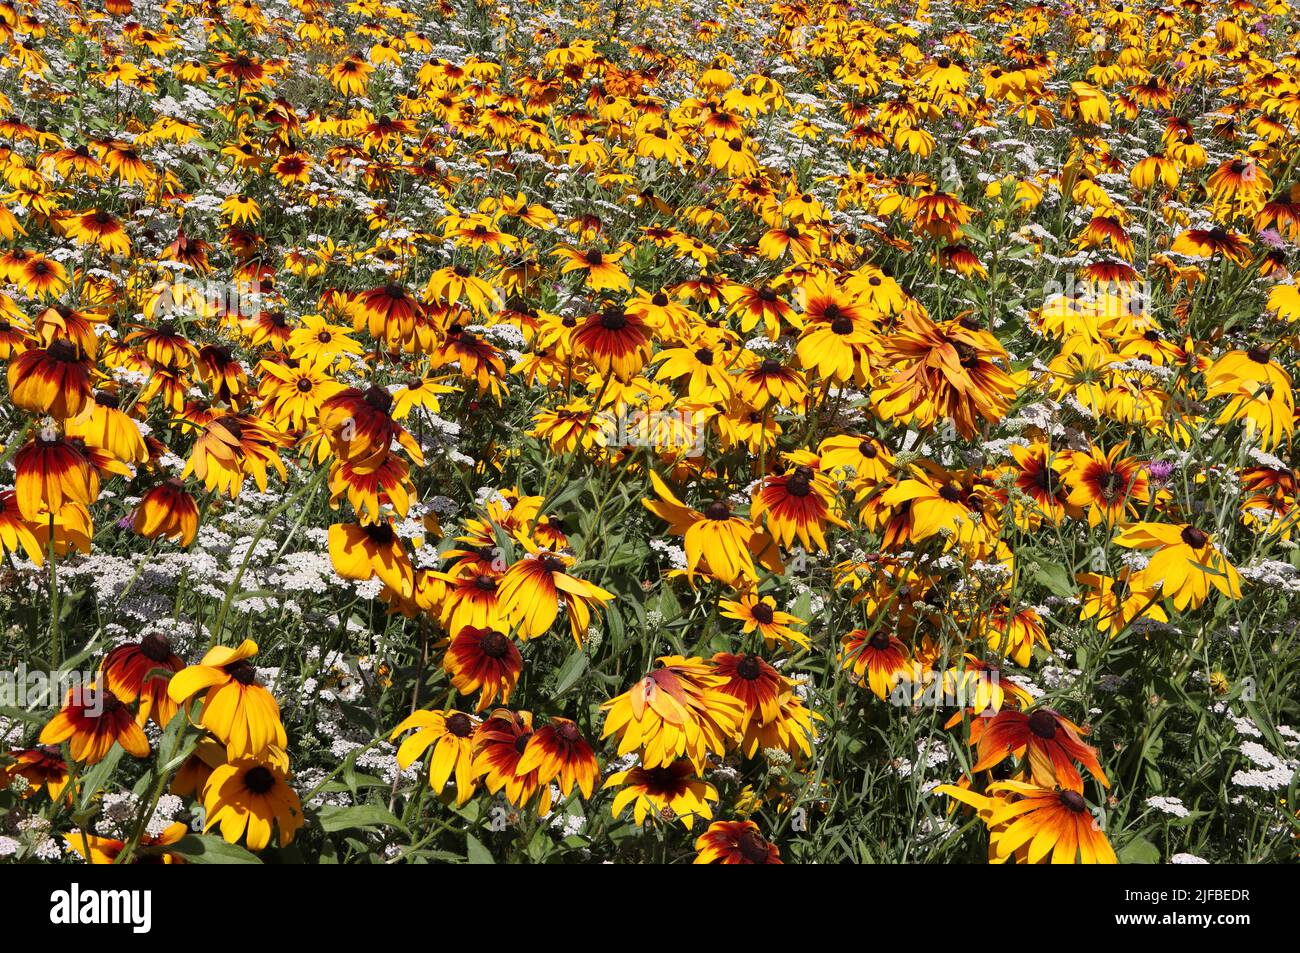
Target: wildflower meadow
[649, 431]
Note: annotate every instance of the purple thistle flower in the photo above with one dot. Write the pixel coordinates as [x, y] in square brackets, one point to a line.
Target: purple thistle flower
[1159, 471]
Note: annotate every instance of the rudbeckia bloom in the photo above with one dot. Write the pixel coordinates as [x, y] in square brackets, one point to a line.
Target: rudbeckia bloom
[601, 269]
[104, 426]
[1043, 822]
[232, 447]
[1048, 741]
[797, 505]
[677, 710]
[531, 590]
[15, 532]
[735, 842]
[1185, 564]
[129, 671]
[713, 537]
[50, 472]
[559, 753]
[41, 767]
[105, 850]
[242, 714]
[92, 720]
[614, 340]
[360, 429]
[247, 796]
[946, 371]
[452, 735]
[1108, 484]
[878, 659]
[167, 511]
[483, 661]
[499, 746]
[760, 614]
[770, 382]
[368, 550]
[671, 792]
[54, 380]
[1116, 602]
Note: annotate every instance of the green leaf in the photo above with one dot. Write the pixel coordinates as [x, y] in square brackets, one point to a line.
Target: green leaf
[1139, 851]
[206, 849]
[1054, 577]
[476, 853]
[571, 671]
[359, 816]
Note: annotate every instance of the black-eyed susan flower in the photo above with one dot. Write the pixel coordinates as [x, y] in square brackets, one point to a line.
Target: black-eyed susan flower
[532, 589]
[1116, 602]
[1045, 740]
[735, 842]
[1186, 563]
[167, 511]
[483, 660]
[92, 720]
[242, 714]
[451, 733]
[245, 797]
[678, 710]
[760, 614]
[559, 753]
[54, 380]
[365, 551]
[797, 505]
[716, 540]
[671, 792]
[499, 746]
[878, 660]
[600, 269]
[16, 533]
[140, 671]
[42, 767]
[150, 849]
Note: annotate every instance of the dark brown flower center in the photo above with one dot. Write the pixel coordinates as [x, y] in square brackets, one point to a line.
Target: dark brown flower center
[380, 533]
[1194, 537]
[242, 671]
[155, 648]
[62, 350]
[717, 510]
[749, 667]
[259, 780]
[1074, 801]
[494, 645]
[800, 482]
[753, 847]
[1043, 723]
[460, 725]
[378, 398]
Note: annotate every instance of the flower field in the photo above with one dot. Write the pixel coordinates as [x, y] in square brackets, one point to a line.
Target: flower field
[642, 431]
